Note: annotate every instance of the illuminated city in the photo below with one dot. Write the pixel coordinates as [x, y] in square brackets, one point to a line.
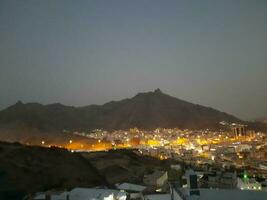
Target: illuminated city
[220, 148]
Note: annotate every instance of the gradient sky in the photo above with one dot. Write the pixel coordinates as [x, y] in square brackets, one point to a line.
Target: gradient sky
[208, 52]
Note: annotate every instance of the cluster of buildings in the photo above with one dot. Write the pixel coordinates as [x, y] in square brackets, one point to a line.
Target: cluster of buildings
[238, 148]
[225, 164]
[221, 186]
[235, 147]
[157, 181]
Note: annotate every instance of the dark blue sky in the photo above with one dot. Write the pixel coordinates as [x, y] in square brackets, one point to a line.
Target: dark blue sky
[89, 52]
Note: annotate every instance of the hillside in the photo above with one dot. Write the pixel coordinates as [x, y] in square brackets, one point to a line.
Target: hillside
[28, 169]
[119, 166]
[145, 110]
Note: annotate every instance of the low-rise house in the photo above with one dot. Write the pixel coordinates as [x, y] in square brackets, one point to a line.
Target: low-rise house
[219, 179]
[243, 148]
[217, 194]
[192, 192]
[264, 186]
[51, 195]
[176, 167]
[158, 179]
[134, 191]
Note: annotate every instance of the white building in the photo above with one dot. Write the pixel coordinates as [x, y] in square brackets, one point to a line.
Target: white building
[134, 191]
[243, 148]
[218, 194]
[194, 193]
[158, 179]
[248, 184]
[84, 194]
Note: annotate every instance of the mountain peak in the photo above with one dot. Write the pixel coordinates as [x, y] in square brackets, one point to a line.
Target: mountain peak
[154, 93]
[18, 102]
[157, 90]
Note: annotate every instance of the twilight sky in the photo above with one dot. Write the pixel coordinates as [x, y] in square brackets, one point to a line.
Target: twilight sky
[208, 52]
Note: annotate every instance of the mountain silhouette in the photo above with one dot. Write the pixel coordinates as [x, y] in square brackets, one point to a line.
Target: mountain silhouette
[147, 110]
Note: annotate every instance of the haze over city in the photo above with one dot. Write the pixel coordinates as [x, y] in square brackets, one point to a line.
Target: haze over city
[207, 52]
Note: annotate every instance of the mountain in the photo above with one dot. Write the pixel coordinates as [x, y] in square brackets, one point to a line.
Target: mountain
[148, 110]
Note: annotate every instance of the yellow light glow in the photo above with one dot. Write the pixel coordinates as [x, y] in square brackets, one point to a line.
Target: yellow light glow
[153, 143]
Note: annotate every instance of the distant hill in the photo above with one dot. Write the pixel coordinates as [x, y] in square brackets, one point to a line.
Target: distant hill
[148, 110]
